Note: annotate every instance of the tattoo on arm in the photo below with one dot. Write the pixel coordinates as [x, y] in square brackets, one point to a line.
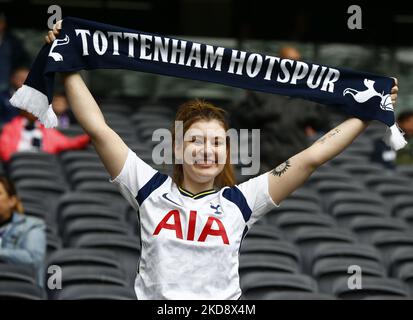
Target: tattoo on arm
[281, 169]
[328, 135]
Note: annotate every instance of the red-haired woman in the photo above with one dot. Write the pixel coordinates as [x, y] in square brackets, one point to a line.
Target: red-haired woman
[192, 223]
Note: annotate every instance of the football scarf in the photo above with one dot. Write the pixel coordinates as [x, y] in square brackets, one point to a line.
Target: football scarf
[87, 45]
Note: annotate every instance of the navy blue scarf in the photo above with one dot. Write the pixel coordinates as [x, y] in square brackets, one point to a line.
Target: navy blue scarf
[86, 45]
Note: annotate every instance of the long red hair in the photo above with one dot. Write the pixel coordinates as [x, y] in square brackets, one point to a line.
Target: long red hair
[197, 110]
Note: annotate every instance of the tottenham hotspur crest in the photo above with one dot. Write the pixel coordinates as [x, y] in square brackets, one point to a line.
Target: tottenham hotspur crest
[215, 208]
[58, 42]
[370, 92]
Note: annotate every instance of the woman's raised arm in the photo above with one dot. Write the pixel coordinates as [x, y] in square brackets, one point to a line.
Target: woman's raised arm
[290, 175]
[109, 146]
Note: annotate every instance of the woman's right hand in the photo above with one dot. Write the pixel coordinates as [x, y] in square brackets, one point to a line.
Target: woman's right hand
[52, 34]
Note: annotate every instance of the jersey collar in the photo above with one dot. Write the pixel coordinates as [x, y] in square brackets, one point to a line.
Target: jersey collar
[197, 195]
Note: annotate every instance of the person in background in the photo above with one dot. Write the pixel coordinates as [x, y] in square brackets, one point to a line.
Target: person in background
[22, 238]
[282, 131]
[7, 111]
[12, 53]
[26, 133]
[61, 108]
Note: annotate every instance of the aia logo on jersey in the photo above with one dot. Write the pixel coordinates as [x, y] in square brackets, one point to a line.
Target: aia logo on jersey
[213, 227]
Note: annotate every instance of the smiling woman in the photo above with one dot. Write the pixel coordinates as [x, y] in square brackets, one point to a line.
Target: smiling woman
[192, 224]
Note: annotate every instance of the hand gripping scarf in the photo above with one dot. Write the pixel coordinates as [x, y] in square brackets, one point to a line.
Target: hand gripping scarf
[86, 45]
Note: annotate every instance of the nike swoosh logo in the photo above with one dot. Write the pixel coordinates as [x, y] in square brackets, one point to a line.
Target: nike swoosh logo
[165, 197]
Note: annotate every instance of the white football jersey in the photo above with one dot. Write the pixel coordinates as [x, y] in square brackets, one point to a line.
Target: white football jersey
[190, 242]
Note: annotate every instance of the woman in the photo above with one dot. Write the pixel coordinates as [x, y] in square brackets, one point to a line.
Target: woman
[22, 238]
[192, 224]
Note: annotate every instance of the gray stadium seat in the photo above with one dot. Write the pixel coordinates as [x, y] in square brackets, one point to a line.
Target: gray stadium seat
[397, 258]
[81, 211]
[366, 227]
[362, 169]
[259, 231]
[97, 292]
[328, 270]
[75, 275]
[18, 290]
[371, 286]
[126, 248]
[255, 285]
[354, 197]
[289, 223]
[308, 238]
[296, 295]
[263, 247]
[76, 228]
[14, 272]
[375, 180]
[344, 213]
[389, 241]
[255, 262]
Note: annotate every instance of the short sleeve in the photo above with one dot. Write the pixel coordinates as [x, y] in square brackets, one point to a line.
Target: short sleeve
[255, 191]
[134, 175]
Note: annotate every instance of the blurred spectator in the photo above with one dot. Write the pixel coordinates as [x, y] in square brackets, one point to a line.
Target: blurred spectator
[26, 133]
[405, 122]
[22, 238]
[288, 123]
[12, 53]
[7, 111]
[61, 108]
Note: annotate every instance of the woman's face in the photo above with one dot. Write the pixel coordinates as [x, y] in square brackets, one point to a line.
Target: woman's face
[7, 203]
[204, 150]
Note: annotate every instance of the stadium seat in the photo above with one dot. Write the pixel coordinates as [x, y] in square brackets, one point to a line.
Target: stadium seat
[389, 241]
[399, 257]
[265, 247]
[76, 228]
[362, 169]
[371, 286]
[127, 249]
[401, 202]
[340, 251]
[375, 180]
[33, 173]
[318, 177]
[389, 191]
[290, 206]
[94, 176]
[96, 292]
[326, 188]
[328, 270]
[259, 231]
[18, 290]
[255, 285]
[296, 295]
[79, 211]
[81, 274]
[366, 227]
[256, 262]
[348, 158]
[289, 223]
[354, 197]
[14, 272]
[344, 213]
[308, 238]
[83, 166]
[99, 187]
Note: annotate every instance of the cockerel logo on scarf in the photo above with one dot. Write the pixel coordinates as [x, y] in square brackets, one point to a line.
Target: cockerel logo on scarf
[370, 92]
